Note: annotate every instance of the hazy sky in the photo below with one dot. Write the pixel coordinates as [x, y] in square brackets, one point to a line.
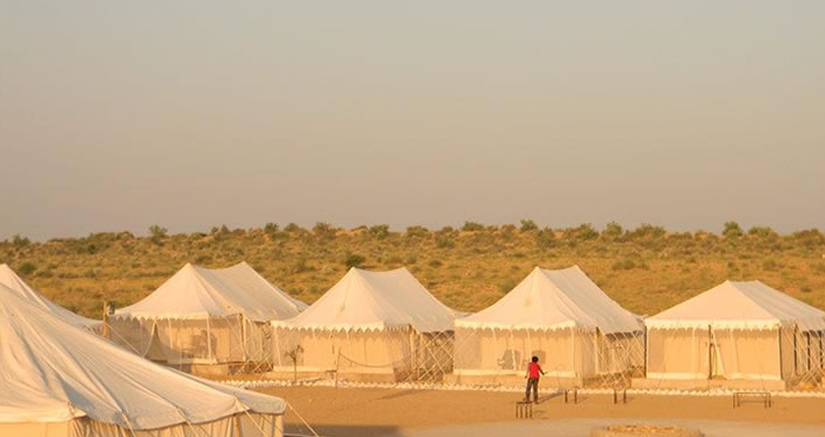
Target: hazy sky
[118, 115]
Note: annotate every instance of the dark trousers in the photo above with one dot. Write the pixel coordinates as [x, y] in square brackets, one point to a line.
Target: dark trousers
[534, 384]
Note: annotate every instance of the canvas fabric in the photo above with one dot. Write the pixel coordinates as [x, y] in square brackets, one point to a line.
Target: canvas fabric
[55, 372]
[563, 318]
[370, 323]
[738, 331]
[11, 280]
[238, 425]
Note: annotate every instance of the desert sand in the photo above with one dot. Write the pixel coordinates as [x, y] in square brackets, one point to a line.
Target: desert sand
[345, 412]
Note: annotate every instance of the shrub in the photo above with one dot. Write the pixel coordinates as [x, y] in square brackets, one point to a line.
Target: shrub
[380, 232]
[546, 238]
[770, 265]
[271, 228]
[472, 227]
[613, 231]
[157, 234]
[445, 241]
[508, 284]
[18, 242]
[293, 228]
[762, 232]
[354, 260]
[301, 266]
[417, 232]
[27, 268]
[435, 264]
[732, 230]
[324, 231]
[625, 264]
[809, 238]
[220, 233]
[647, 231]
[528, 226]
[586, 231]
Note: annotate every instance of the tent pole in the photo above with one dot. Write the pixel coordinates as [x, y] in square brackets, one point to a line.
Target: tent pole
[412, 352]
[646, 333]
[795, 353]
[573, 350]
[243, 338]
[209, 340]
[710, 353]
[808, 349]
[513, 349]
[779, 338]
[596, 350]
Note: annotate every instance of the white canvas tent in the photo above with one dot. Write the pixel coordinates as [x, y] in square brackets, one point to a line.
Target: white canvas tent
[57, 380]
[579, 334]
[206, 317]
[370, 325]
[738, 331]
[10, 279]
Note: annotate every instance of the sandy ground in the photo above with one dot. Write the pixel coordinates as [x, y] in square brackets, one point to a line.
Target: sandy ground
[582, 427]
[349, 412]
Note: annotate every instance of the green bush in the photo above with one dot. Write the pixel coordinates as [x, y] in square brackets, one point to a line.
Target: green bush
[647, 231]
[324, 231]
[271, 228]
[379, 232]
[762, 232]
[445, 241]
[625, 264]
[732, 230]
[301, 266]
[417, 232]
[613, 231]
[472, 227]
[546, 239]
[157, 234]
[528, 226]
[354, 260]
[27, 268]
[19, 242]
[586, 231]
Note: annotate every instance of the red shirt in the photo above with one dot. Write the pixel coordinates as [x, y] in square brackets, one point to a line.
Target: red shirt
[533, 370]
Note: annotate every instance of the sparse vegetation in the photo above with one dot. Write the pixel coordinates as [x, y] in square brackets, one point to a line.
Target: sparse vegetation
[354, 260]
[472, 227]
[528, 226]
[379, 232]
[732, 230]
[19, 241]
[646, 269]
[156, 235]
[26, 269]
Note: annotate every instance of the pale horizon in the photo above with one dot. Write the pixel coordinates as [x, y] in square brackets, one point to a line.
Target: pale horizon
[115, 117]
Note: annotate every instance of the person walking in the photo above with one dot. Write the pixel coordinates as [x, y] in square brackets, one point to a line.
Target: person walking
[533, 374]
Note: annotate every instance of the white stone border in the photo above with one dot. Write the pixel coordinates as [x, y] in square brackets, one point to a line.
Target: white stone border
[267, 383]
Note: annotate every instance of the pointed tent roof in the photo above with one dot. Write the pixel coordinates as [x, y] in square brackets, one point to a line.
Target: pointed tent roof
[10, 279]
[555, 299]
[53, 371]
[731, 304]
[364, 300]
[196, 292]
